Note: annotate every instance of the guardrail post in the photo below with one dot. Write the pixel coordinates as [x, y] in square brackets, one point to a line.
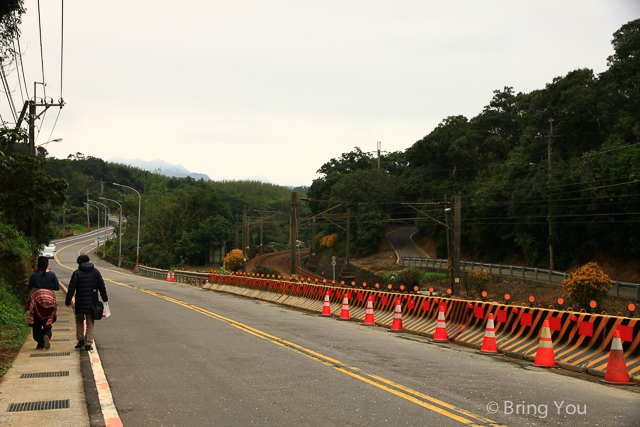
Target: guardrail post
[617, 287]
[511, 270]
[536, 273]
[472, 265]
[549, 274]
[490, 268]
[500, 269]
[523, 271]
[440, 264]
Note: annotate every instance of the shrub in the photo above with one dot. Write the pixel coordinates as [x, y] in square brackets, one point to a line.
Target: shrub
[409, 278]
[329, 241]
[263, 269]
[13, 324]
[587, 283]
[477, 280]
[233, 260]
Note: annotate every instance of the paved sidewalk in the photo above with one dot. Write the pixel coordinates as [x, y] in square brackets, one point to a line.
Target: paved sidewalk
[60, 387]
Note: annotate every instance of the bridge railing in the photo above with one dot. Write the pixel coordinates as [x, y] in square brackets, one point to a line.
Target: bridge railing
[522, 271]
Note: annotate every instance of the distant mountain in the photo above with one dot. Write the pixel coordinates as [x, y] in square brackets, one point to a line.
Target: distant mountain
[166, 168]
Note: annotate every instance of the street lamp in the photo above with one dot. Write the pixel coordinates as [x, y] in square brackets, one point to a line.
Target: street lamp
[105, 222]
[139, 206]
[94, 206]
[119, 229]
[53, 140]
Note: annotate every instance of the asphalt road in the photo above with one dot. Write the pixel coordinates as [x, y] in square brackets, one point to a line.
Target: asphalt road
[401, 241]
[176, 355]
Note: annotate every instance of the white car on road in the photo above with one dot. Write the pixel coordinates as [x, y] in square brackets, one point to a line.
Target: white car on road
[47, 252]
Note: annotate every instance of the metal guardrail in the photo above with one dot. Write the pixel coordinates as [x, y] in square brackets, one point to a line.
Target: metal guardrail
[194, 278]
[522, 271]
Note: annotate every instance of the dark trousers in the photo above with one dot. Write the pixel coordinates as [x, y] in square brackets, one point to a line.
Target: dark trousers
[39, 331]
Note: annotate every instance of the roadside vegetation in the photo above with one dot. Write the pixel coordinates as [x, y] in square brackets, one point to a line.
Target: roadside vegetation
[498, 163]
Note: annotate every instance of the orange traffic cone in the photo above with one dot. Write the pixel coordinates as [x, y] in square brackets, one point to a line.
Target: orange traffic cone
[326, 308]
[544, 355]
[344, 314]
[617, 366]
[441, 327]
[169, 276]
[396, 326]
[489, 345]
[368, 316]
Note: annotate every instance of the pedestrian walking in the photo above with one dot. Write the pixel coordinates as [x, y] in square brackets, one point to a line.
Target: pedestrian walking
[85, 281]
[42, 304]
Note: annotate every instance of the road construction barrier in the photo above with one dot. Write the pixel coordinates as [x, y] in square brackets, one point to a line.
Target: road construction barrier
[581, 341]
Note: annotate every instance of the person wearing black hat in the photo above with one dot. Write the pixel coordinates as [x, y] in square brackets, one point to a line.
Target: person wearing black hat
[82, 282]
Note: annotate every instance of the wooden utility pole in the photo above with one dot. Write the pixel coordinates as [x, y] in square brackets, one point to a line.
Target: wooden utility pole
[348, 235]
[294, 232]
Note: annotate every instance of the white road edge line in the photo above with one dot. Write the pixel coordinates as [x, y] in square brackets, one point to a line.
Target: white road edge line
[109, 411]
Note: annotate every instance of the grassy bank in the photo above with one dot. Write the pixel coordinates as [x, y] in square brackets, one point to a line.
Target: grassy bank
[13, 326]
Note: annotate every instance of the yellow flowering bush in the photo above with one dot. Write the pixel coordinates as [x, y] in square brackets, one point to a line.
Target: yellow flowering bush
[329, 241]
[233, 260]
[586, 284]
[478, 280]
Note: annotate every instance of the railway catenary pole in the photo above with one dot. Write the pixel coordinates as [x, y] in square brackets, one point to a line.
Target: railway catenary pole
[237, 234]
[244, 237]
[294, 232]
[457, 218]
[348, 235]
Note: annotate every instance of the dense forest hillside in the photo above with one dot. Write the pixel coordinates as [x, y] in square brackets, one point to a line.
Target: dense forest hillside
[183, 218]
[558, 166]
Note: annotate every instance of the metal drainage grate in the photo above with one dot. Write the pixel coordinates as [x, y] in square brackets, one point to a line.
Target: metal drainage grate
[38, 406]
[60, 330]
[50, 354]
[60, 340]
[46, 374]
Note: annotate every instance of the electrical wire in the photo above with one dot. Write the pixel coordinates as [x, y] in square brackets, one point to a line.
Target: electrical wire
[15, 58]
[44, 90]
[26, 89]
[5, 85]
[61, 51]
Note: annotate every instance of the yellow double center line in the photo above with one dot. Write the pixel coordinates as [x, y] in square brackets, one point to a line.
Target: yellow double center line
[401, 391]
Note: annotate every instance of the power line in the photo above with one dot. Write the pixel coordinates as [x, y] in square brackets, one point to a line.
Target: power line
[44, 90]
[26, 89]
[15, 58]
[61, 53]
[5, 85]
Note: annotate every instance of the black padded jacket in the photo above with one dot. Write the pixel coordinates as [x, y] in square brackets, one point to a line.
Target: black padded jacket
[81, 284]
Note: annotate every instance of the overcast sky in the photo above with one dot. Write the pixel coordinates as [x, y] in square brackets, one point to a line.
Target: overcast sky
[274, 89]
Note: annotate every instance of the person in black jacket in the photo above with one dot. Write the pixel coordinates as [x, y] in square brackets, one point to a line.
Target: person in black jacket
[82, 284]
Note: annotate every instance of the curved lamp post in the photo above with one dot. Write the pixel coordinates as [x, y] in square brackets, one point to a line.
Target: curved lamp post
[139, 206]
[106, 223]
[97, 207]
[119, 229]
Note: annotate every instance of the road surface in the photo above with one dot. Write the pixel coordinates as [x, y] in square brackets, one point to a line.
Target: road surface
[176, 355]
